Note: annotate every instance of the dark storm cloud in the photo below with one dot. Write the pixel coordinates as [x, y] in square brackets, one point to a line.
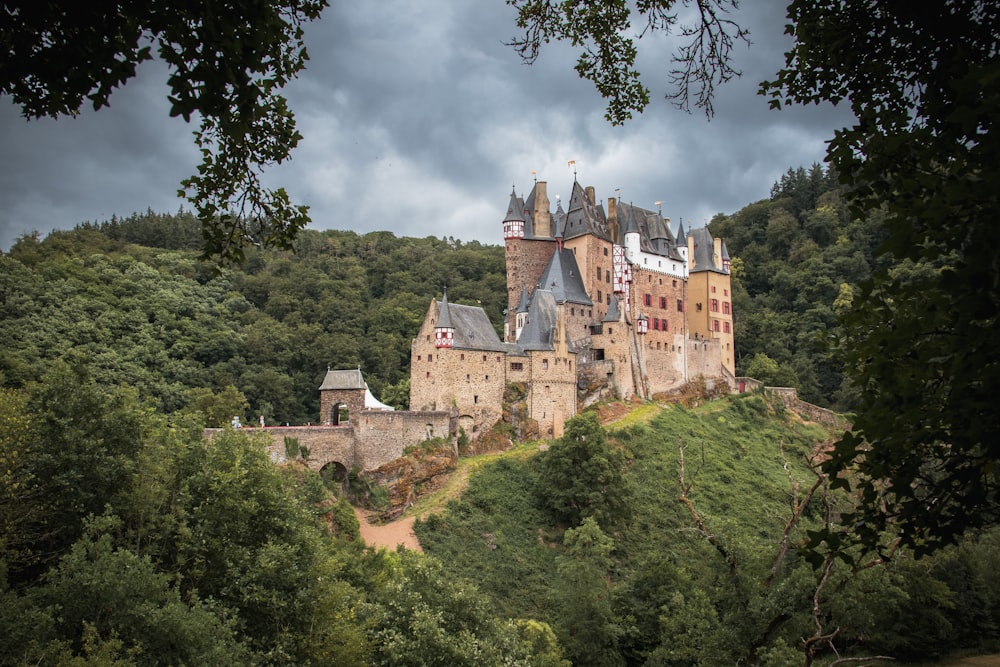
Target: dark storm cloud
[418, 119]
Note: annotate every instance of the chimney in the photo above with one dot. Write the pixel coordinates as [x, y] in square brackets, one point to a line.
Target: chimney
[591, 197]
[542, 217]
[717, 252]
[613, 226]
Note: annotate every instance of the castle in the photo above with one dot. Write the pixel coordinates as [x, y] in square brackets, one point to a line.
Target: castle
[600, 304]
[597, 300]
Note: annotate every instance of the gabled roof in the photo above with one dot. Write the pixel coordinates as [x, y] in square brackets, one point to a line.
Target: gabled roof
[584, 217]
[473, 330]
[561, 276]
[349, 379]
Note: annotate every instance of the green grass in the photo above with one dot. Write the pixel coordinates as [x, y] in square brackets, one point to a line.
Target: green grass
[492, 532]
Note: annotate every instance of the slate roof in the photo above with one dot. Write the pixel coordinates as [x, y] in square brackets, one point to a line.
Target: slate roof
[522, 304]
[613, 314]
[444, 313]
[562, 277]
[473, 330]
[349, 379]
[584, 217]
[704, 249]
[541, 322]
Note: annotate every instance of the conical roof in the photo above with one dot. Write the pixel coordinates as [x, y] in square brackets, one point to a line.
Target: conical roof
[444, 314]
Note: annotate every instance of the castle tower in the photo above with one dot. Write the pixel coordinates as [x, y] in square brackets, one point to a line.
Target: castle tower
[709, 312]
[528, 246]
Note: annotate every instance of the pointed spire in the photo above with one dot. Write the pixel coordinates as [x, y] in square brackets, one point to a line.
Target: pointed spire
[444, 319]
[522, 304]
[631, 224]
[681, 234]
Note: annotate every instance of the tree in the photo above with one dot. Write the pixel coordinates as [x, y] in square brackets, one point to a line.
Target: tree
[226, 68]
[582, 591]
[920, 343]
[608, 58]
[582, 475]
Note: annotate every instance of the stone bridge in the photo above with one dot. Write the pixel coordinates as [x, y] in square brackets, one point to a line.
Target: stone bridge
[369, 440]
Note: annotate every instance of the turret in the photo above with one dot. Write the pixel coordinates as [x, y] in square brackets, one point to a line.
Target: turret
[632, 236]
[444, 331]
[513, 224]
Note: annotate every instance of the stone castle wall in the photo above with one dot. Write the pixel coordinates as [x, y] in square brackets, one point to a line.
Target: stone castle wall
[382, 436]
[371, 439]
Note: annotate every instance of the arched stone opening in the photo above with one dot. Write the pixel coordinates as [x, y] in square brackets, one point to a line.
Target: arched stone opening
[333, 474]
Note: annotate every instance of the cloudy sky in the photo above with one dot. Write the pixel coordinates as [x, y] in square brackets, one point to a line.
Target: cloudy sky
[418, 119]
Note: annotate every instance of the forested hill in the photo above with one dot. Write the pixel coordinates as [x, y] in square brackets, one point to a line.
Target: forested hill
[798, 259]
[154, 317]
[130, 299]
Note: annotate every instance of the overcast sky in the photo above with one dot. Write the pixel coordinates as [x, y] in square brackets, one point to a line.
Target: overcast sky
[418, 119]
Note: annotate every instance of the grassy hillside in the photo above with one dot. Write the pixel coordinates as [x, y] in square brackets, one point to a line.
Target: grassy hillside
[693, 574]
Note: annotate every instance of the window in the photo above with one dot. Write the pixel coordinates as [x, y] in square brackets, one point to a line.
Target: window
[498, 359]
[725, 327]
[428, 338]
[467, 377]
[715, 305]
[656, 324]
[675, 283]
[487, 378]
[725, 292]
[697, 307]
[715, 325]
[545, 364]
[428, 373]
[420, 357]
[600, 296]
[430, 357]
[516, 366]
[463, 356]
[666, 325]
[680, 305]
[725, 307]
[484, 357]
[713, 289]
[648, 299]
[607, 298]
[598, 273]
[475, 399]
[572, 311]
[663, 303]
[607, 276]
[610, 331]
[605, 252]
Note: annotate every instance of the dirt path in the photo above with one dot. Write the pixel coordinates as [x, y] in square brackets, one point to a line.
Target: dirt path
[388, 535]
